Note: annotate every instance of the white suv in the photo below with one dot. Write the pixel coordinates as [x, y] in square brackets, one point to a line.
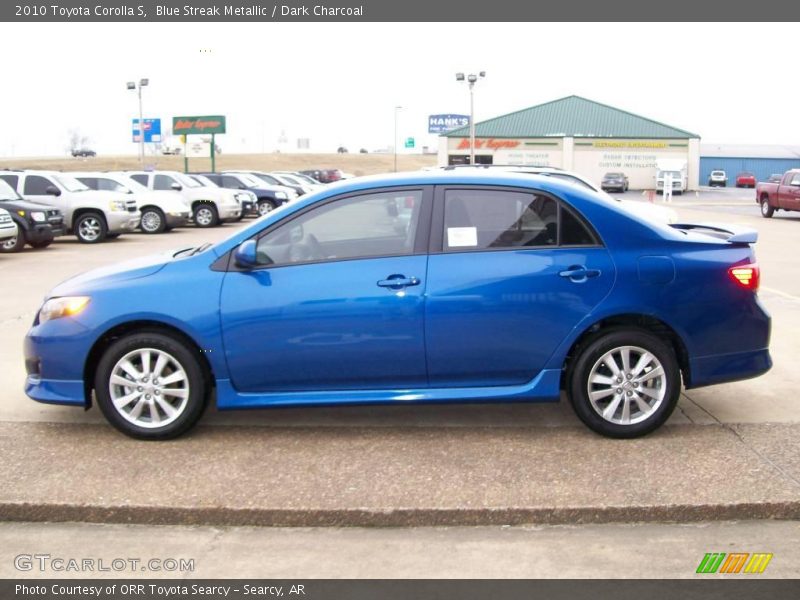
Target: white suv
[161, 211]
[210, 205]
[91, 215]
[718, 178]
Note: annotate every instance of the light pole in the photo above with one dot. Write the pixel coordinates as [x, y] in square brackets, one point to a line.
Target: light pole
[471, 79]
[397, 109]
[132, 86]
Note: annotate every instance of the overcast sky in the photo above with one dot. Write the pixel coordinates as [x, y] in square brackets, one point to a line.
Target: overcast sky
[338, 84]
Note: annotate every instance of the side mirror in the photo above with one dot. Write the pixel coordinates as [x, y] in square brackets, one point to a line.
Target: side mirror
[52, 190]
[245, 255]
[177, 187]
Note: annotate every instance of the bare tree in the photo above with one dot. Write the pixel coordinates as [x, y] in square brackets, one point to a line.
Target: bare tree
[77, 141]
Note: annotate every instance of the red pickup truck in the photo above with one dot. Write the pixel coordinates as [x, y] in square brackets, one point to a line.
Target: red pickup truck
[779, 196]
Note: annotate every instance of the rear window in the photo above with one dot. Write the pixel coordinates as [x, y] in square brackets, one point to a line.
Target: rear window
[491, 219]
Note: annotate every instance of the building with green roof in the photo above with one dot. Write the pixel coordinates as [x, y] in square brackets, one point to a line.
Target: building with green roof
[580, 135]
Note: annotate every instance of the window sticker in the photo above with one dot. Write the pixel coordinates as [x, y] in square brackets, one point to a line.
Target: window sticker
[462, 237]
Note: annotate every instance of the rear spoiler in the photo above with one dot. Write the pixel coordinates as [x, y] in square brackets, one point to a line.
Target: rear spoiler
[734, 234]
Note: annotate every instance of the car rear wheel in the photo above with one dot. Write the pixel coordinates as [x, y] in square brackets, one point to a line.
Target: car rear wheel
[14, 244]
[766, 210]
[90, 228]
[206, 215]
[624, 383]
[153, 220]
[150, 386]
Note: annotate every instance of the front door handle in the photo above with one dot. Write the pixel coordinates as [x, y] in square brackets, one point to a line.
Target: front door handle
[398, 282]
[579, 273]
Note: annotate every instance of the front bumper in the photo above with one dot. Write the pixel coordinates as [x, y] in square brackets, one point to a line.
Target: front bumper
[229, 212]
[54, 362]
[120, 222]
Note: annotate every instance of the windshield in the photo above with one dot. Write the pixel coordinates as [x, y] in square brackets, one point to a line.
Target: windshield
[203, 180]
[7, 192]
[132, 185]
[249, 180]
[186, 181]
[613, 175]
[70, 184]
[268, 178]
[673, 174]
[305, 178]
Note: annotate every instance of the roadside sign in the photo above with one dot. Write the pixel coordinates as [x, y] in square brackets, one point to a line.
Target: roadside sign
[195, 125]
[152, 130]
[409, 142]
[447, 122]
[198, 149]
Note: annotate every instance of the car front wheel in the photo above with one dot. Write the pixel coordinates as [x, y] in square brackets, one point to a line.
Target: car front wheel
[14, 244]
[766, 210]
[205, 215]
[150, 386]
[153, 220]
[90, 228]
[624, 383]
[265, 207]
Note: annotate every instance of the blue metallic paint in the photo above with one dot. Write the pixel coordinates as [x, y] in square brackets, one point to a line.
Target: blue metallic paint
[476, 328]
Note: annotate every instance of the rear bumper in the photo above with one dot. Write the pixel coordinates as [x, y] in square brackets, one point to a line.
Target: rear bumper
[722, 368]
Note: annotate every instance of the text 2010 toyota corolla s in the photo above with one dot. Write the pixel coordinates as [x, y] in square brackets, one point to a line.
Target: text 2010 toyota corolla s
[424, 287]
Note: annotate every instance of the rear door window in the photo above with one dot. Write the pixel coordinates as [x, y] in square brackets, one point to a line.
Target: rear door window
[495, 219]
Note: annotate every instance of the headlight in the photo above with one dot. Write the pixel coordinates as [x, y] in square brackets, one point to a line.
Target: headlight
[68, 306]
[118, 206]
[38, 217]
[281, 195]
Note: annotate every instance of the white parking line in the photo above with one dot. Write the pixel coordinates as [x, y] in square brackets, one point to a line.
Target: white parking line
[780, 293]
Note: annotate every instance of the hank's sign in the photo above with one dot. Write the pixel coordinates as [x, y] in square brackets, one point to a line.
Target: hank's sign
[198, 125]
[445, 123]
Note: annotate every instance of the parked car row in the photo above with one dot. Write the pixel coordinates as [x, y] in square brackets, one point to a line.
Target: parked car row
[39, 206]
[719, 178]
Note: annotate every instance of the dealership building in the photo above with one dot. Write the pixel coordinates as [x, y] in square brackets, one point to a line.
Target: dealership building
[760, 160]
[579, 135]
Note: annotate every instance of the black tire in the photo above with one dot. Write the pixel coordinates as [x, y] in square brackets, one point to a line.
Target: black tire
[265, 207]
[205, 215]
[40, 245]
[14, 244]
[588, 359]
[153, 220]
[90, 228]
[189, 412]
[767, 210]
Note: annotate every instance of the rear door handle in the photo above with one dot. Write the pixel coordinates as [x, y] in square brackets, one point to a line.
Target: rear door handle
[398, 282]
[578, 273]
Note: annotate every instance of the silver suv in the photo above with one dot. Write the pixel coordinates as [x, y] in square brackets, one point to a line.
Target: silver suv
[91, 215]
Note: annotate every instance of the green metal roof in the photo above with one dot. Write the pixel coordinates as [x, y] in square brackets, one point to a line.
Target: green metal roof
[572, 116]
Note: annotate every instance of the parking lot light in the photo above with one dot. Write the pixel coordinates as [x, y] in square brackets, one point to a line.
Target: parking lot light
[471, 79]
[131, 85]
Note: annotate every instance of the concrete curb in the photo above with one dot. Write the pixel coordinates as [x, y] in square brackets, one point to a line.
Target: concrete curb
[408, 517]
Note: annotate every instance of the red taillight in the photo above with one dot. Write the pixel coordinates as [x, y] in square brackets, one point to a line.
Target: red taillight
[747, 276]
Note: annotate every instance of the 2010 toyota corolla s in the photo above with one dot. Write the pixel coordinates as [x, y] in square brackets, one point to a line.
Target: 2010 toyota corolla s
[427, 287]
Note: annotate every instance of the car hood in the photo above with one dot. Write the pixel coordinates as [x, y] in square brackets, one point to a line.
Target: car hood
[99, 278]
[25, 205]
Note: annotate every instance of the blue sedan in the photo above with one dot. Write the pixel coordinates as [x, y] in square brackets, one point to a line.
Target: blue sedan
[424, 287]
